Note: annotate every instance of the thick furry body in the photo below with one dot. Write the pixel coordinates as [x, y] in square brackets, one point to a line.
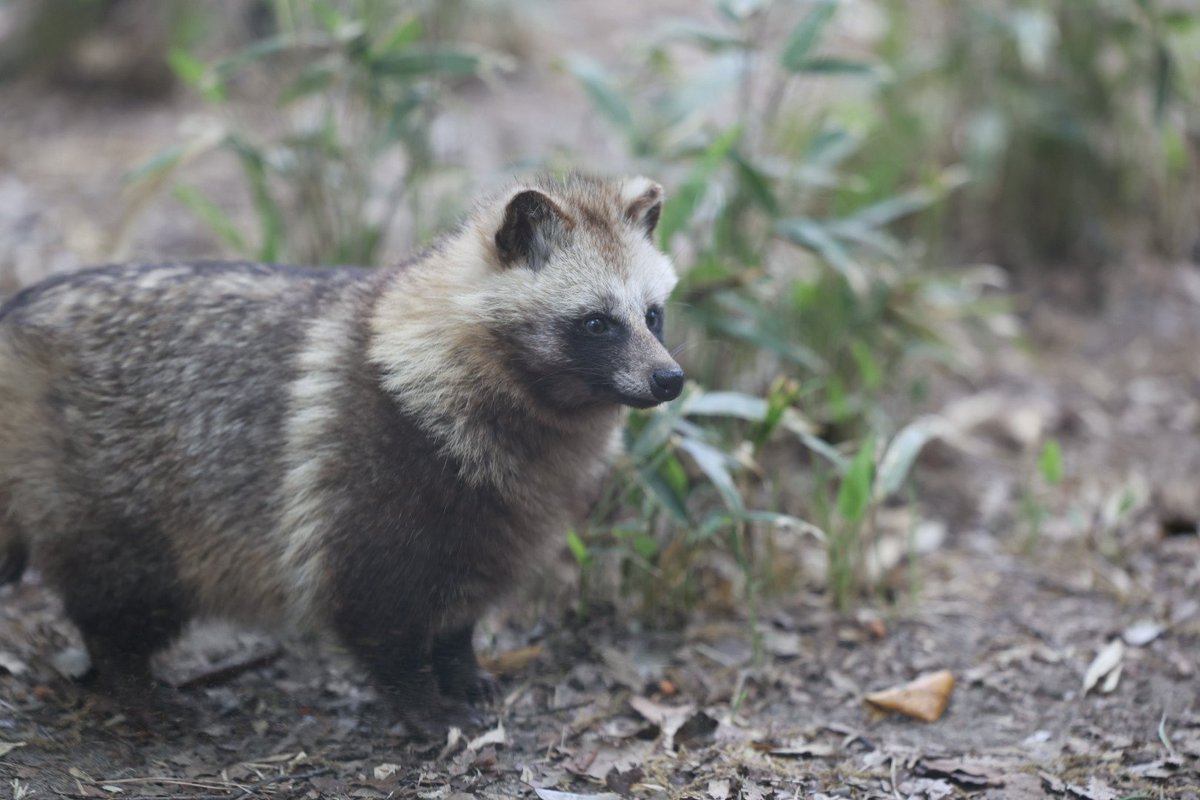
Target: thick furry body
[376, 453]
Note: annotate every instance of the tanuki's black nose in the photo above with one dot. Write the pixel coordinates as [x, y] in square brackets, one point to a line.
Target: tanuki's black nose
[666, 384]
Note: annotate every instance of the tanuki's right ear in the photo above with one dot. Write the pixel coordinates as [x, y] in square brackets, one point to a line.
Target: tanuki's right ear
[532, 225]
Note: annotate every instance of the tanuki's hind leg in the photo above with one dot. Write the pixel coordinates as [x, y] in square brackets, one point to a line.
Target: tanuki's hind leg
[121, 588]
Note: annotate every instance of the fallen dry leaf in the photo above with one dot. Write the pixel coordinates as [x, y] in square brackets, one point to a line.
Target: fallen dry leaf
[11, 664]
[719, 789]
[8, 747]
[454, 737]
[966, 774]
[496, 735]
[691, 726]
[696, 729]
[622, 782]
[876, 627]
[1163, 769]
[1107, 663]
[801, 749]
[512, 661]
[924, 698]
[1095, 790]
[1142, 633]
[71, 662]
[664, 716]
[605, 760]
[551, 794]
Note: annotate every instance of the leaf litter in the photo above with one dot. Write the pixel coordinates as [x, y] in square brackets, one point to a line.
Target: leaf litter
[592, 711]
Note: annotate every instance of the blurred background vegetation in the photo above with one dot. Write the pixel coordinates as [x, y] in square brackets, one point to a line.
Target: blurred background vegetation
[854, 189]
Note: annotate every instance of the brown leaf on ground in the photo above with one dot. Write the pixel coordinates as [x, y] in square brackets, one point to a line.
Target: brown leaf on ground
[511, 661]
[924, 698]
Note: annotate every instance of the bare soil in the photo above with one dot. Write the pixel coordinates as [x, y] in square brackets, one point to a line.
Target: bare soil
[607, 707]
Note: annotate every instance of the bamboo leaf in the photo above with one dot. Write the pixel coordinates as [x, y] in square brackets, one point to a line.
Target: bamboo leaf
[710, 38]
[213, 215]
[579, 549]
[313, 79]
[806, 35]
[715, 465]
[416, 62]
[887, 211]
[902, 452]
[195, 73]
[680, 208]
[854, 495]
[406, 32]
[832, 65]
[727, 404]
[1050, 463]
[270, 217]
[658, 489]
[816, 238]
[602, 93]
[756, 183]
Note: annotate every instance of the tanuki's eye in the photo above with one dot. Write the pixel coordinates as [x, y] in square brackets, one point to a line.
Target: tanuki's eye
[654, 318]
[595, 325]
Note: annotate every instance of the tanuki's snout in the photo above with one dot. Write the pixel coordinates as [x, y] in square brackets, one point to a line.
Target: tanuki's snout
[666, 383]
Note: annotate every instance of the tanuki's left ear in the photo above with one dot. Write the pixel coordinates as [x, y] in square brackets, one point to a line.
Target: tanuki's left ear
[643, 203]
[532, 226]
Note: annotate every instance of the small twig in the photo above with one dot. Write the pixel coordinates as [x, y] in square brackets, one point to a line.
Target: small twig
[850, 735]
[227, 671]
[1162, 736]
[557, 709]
[234, 790]
[175, 782]
[295, 776]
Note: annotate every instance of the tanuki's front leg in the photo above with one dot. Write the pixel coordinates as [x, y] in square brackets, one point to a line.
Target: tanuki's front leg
[457, 670]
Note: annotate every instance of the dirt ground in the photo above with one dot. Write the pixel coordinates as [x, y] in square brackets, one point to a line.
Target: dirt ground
[608, 708]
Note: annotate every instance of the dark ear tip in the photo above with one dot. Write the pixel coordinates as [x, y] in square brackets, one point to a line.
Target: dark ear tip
[645, 209]
[528, 201]
[529, 226]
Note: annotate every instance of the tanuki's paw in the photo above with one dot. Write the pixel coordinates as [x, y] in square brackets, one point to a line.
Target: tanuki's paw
[433, 723]
[484, 690]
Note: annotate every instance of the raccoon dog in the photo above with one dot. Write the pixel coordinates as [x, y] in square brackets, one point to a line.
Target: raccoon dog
[376, 453]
